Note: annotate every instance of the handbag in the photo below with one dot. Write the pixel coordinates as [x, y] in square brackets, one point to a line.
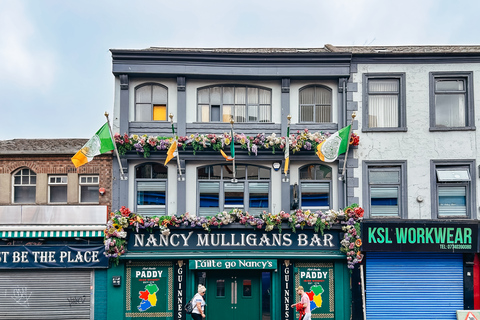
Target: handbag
[189, 307]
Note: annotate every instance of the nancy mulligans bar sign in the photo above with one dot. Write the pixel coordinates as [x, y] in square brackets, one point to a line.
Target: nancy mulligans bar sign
[420, 236]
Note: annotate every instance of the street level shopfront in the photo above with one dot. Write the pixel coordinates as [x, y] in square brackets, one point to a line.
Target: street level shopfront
[420, 269]
[249, 273]
[48, 279]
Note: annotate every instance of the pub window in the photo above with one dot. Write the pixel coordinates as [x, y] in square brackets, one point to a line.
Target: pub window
[217, 192]
[24, 186]
[151, 189]
[57, 189]
[315, 187]
[89, 189]
[315, 104]
[151, 103]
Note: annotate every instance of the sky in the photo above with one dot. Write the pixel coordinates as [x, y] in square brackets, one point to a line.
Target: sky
[56, 69]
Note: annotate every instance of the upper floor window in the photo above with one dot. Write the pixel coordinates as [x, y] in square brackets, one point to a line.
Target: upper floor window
[244, 103]
[384, 99]
[217, 192]
[89, 189]
[57, 189]
[451, 101]
[385, 189]
[315, 104]
[151, 103]
[453, 190]
[24, 186]
[315, 187]
[151, 189]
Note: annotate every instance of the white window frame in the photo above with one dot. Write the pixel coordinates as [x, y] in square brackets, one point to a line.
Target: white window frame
[63, 182]
[152, 101]
[33, 185]
[313, 104]
[323, 181]
[150, 210]
[86, 183]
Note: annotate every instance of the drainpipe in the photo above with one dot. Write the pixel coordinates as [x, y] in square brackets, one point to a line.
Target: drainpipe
[343, 178]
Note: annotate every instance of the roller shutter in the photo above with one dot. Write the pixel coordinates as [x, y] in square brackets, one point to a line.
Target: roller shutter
[45, 294]
[413, 286]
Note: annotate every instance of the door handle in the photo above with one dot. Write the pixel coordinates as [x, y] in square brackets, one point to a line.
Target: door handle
[233, 293]
[236, 292]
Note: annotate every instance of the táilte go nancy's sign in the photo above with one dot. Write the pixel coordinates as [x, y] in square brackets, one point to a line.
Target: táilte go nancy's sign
[420, 236]
[234, 239]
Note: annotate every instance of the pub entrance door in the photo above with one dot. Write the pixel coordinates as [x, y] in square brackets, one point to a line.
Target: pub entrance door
[234, 294]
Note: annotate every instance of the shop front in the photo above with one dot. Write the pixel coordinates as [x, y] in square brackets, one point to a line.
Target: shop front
[249, 273]
[39, 280]
[420, 269]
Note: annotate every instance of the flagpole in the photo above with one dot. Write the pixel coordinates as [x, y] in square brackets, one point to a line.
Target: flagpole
[180, 178]
[122, 174]
[232, 147]
[348, 147]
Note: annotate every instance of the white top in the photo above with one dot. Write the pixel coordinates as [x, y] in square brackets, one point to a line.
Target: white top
[198, 298]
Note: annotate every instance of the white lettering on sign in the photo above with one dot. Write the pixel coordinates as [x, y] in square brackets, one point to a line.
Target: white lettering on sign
[313, 275]
[148, 274]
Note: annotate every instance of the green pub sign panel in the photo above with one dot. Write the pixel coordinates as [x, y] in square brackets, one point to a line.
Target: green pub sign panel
[420, 236]
[148, 287]
[242, 264]
[317, 279]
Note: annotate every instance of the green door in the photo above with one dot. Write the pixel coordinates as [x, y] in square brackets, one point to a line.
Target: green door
[233, 295]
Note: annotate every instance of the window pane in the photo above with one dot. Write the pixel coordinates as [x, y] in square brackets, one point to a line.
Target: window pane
[383, 85]
[315, 172]
[151, 192]
[323, 96]
[240, 95]
[450, 110]
[449, 85]
[452, 201]
[209, 196]
[323, 113]
[306, 113]
[453, 175]
[234, 194]
[384, 177]
[240, 172]
[384, 201]
[215, 95]
[247, 288]
[228, 95]
[252, 173]
[383, 111]
[58, 193]
[307, 96]
[264, 113]
[258, 194]
[221, 288]
[315, 194]
[240, 113]
[159, 113]
[142, 112]
[89, 194]
[203, 96]
[204, 113]
[264, 96]
[202, 173]
[24, 194]
[227, 113]
[263, 174]
[215, 115]
[252, 94]
[252, 113]
[159, 95]
[144, 95]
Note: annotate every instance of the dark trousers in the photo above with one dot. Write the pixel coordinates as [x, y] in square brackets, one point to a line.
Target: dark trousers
[197, 316]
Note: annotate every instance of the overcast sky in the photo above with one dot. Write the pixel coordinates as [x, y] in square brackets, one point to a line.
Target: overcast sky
[55, 64]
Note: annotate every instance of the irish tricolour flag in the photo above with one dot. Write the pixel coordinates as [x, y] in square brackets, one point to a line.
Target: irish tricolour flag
[100, 143]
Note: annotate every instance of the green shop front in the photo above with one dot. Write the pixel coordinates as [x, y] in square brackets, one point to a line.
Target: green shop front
[249, 273]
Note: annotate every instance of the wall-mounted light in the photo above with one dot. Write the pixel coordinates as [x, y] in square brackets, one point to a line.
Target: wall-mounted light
[117, 281]
[101, 191]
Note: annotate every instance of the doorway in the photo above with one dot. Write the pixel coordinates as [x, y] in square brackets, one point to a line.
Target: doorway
[237, 294]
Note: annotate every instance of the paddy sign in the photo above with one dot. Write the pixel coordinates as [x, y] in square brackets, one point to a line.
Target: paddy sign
[424, 236]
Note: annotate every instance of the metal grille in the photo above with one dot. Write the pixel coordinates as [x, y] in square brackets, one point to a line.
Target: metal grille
[414, 286]
[42, 294]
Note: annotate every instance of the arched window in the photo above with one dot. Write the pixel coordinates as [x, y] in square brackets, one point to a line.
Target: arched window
[244, 103]
[217, 192]
[24, 186]
[315, 187]
[151, 189]
[151, 103]
[315, 104]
